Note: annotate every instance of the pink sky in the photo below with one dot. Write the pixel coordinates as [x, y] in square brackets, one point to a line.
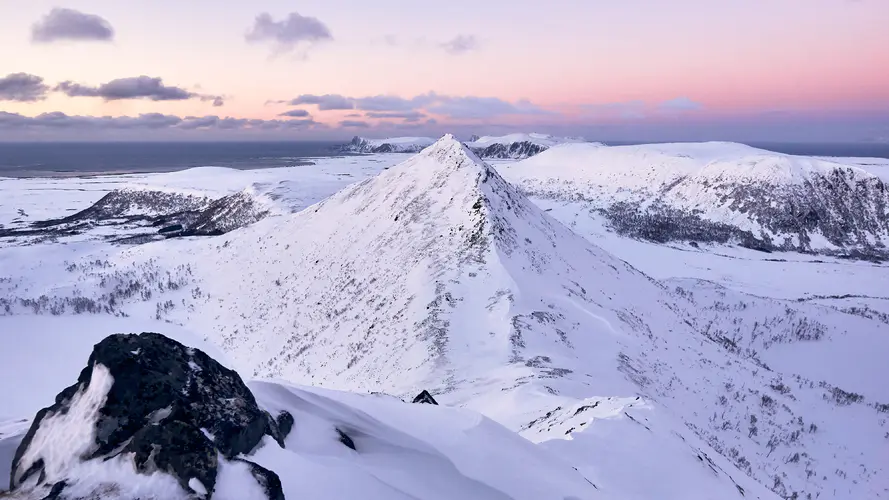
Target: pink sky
[726, 61]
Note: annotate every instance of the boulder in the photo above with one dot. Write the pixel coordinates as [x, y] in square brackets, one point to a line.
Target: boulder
[167, 407]
[425, 398]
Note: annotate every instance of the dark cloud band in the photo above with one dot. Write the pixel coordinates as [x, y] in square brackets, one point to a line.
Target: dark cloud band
[58, 120]
[139, 87]
[411, 109]
[22, 87]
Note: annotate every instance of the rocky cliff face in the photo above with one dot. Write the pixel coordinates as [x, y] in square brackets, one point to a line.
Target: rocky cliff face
[514, 150]
[391, 145]
[141, 216]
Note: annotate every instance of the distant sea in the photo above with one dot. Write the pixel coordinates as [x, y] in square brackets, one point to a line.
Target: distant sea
[72, 159]
[75, 158]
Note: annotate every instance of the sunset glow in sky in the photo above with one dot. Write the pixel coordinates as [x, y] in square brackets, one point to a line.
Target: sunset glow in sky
[795, 70]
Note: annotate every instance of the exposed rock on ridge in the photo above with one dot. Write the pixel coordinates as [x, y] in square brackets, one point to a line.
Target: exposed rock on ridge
[153, 402]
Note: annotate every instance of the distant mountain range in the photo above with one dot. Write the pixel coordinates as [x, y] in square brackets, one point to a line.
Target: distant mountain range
[721, 193]
[512, 146]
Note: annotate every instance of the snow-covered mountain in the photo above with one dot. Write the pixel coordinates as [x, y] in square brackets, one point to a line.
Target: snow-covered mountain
[512, 146]
[717, 192]
[389, 145]
[438, 274]
[516, 146]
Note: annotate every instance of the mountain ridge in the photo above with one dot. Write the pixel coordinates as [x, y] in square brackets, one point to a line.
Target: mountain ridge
[720, 192]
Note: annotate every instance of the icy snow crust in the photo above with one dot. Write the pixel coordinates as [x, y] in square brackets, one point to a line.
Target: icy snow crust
[438, 274]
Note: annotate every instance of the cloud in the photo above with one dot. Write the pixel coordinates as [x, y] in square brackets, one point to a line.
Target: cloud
[391, 106]
[470, 107]
[57, 119]
[68, 24]
[193, 122]
[295, 113]
[354, 124]
[638, 109]
[138, 87]
[408, 116]
[287, 34]
[157, 121]
[627, 110]
[415, 125]
[460, 44]
[385, 103]
[680, 104]
[22, 87]
[327, 102]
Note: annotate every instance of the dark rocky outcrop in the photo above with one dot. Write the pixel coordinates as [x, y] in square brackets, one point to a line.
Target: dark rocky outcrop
[425, 398]
[125, 203]
[132, 212]
[172, 408]
[515, 150]
[345, 439]
[362, 145]
[268, 480]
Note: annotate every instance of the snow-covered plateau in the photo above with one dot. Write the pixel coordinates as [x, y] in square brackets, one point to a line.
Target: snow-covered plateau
[680, 321]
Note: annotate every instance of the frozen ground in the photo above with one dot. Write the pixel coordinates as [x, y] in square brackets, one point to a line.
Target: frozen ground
[383, 288]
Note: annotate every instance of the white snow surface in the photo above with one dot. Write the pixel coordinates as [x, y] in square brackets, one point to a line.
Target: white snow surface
[437, 274]
[651, 166]
[63, 438]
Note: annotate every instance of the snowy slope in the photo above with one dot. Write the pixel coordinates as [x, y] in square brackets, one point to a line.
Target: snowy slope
[721, 192]
[388, 145]
[516, 146]
[437, 274]
[402, 450]
[135, 208]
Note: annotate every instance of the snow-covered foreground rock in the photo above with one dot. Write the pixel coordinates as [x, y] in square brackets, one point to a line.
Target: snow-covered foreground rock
[151, 418]
[718, 192]
[438, 274]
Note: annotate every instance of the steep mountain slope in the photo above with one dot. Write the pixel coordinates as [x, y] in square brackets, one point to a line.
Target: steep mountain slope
[719, 192]
[389, 145]
[516, 146]
[438, 274]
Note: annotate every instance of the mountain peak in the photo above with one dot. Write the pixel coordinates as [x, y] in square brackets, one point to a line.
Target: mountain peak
[445, 158]
[448, 148]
